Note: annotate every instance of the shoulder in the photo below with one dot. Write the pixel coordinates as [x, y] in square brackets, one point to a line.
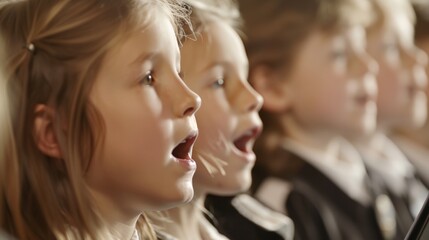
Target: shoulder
[262, 216]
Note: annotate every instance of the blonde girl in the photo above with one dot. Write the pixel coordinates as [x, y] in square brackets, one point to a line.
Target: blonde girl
[215, 66]
[98, 135]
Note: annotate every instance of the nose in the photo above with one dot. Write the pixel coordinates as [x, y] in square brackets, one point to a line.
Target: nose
[417, 61]
[367, 69]
[415, 56]
[366, 65]
[249, 100]
[185, 101]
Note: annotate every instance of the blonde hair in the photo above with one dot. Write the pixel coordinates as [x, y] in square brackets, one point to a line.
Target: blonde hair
[275, 31]
[54, 50]
[386, 10]
[207, 11]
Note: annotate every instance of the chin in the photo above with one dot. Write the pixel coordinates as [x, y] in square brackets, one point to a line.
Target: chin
[186, 192]
[173, 198]
[242, 185]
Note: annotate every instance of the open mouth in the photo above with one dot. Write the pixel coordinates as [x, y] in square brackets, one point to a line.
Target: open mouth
[244, 142]
[364, 99]
[413, 90]
[183, 150]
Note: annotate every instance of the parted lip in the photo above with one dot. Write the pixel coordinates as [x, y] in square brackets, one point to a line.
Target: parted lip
[242, 142]
[183, 149]
[364, 98]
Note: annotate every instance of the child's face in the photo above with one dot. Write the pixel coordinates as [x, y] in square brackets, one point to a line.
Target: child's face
[148, 112]
[331, 85]
[216, 68]
[401, 79]
[423, 44]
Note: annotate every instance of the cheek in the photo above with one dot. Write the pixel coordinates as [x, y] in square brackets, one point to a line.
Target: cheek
[130, 132]
[388, 80]
[214, 121]
[214, 129]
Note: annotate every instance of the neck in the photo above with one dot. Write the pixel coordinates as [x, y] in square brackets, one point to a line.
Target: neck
[418, 136]
[320, 140]
[185, 220]
[118, 223]
[375, 141]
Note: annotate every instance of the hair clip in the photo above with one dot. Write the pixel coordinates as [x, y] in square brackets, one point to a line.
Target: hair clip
[30, 47]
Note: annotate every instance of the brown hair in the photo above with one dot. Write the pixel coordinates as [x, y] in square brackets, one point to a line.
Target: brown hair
[275, 31]
[54, 50]
[4, 119]
[422, 21]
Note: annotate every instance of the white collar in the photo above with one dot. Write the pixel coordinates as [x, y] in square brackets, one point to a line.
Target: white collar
[347, 171]
[417, 153]
[390, 163]
[208, 231]
[135, 235]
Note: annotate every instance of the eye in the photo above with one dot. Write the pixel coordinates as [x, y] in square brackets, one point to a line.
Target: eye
[219, 83]
[338, 54]
[148, 79]
[391, 51]
[181, 74]
[390, 47]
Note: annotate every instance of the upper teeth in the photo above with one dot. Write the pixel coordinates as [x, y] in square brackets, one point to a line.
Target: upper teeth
[248, 133]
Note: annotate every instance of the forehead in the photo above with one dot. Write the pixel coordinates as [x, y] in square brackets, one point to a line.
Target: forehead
[218, 42]
[155, 37]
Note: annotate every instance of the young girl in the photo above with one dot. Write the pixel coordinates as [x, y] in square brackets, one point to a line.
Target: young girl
[401, 103]
[215, 66]
[98, 135]
[308, 60]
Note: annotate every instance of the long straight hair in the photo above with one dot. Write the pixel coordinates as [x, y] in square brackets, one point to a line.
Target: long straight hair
[54, 49]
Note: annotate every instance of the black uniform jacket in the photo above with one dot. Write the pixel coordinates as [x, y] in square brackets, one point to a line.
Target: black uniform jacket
[248, 220]
[321, 210]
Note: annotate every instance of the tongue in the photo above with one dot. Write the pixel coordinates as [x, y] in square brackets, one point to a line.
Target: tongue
[240, 143]
[180, 151]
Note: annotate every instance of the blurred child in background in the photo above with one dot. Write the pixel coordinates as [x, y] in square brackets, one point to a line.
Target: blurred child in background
[308, 60]
[401, 102]
[102, 125]
[215, 66]
[414, 142]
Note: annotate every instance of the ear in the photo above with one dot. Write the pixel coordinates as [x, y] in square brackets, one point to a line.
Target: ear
[44, 131]
[276, 92]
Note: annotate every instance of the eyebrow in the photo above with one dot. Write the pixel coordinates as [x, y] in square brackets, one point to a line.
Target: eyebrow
[143, 57]
[225, 64]
[150, 56]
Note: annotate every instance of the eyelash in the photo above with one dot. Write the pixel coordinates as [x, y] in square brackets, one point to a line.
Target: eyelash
[336, 54]
[181, 74]
[148, 79]
[390, 47]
